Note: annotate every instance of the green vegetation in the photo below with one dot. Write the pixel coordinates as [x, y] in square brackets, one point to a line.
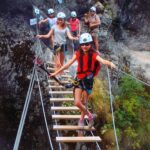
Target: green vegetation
[132, 113]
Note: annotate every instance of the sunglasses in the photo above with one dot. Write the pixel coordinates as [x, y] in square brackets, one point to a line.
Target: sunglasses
[92, 11]
[85, 44]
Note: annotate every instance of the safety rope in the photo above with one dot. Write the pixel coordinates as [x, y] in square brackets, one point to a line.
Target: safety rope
[25, 109]
[134, 78]
[43, 109]
[111, 105]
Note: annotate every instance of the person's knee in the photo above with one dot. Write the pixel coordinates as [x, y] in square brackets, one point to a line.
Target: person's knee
[77, 103]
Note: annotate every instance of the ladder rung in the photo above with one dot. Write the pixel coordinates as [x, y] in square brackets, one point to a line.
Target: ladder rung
[61, 99]
[67, 117]
[79, 139]
[66, 76]
[51, 63]
[64, 108]
[50, 68]
[53, 69]
[60, 92]
[71, 127]
[53, 81]
[56, 86]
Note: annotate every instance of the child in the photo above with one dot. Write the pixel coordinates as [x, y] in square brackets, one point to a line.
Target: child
[75, 28]
[87, 58]
[51, 20]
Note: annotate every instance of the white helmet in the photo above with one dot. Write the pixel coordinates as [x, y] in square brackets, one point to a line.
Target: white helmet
[73, 14]
[50, 11]
[85, 38]
[93, 9]
[61, 15]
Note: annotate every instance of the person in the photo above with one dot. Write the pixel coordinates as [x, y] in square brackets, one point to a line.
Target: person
[51, 20]
[75, 28]
[60, 31]
[93, 22]
[87, 60]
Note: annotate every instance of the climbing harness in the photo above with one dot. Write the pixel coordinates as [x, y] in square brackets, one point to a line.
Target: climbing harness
[39, 63]
[72, 83]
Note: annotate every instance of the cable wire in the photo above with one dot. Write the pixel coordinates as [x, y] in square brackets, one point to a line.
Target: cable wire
[111, 104]
[24, 113]
[43, 109]
[134, 78]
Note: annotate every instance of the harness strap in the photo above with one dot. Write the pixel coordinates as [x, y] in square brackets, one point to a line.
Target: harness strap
[90, 56]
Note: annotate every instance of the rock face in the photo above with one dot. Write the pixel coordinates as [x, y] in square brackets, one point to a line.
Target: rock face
[129, 35]
[135, 14]
[16, 7]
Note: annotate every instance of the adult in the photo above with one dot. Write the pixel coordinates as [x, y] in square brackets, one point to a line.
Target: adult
[93, 22]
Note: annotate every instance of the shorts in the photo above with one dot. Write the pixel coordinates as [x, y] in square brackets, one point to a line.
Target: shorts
[60, 48]
[74, 33]
[94, 32]
[85, 83]
[75, 43]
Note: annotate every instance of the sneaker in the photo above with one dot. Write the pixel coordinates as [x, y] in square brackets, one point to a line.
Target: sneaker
[91, 120]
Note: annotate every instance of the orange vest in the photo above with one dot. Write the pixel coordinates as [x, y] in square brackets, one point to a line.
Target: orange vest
[87, 64]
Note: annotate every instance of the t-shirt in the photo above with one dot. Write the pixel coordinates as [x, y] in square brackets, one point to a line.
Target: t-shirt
[52, 21]
[74, 24]
[60, 35]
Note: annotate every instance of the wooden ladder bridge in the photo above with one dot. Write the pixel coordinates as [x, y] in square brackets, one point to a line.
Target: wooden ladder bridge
[59, 96]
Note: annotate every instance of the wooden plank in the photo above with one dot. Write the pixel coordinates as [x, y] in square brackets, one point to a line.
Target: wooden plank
[55, 108]
[60, 92]
[53, 81]
[67, 117]
[66, 76]
[50, 69]
[78, 139]
[53, 69]
[51, 63]
[56, 86]
[71, 127]
[61, 99]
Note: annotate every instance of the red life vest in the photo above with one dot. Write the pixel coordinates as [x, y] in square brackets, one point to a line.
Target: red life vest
[87, 64]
